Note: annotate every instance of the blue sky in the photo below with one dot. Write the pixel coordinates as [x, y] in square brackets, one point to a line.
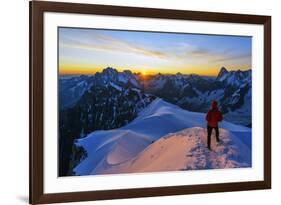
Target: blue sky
[91, 50]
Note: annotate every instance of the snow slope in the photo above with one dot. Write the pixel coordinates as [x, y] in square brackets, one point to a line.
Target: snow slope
[111, 148]
[184, 150]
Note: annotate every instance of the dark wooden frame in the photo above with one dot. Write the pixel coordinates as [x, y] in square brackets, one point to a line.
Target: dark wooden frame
[37, 9]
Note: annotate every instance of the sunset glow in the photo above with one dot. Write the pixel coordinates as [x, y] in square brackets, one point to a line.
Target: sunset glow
[87, 51]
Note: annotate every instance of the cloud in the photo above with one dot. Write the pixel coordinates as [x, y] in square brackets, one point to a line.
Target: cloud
[186, 50]
[233, 57]
[199, 52]
[173, 53]
[97, 41]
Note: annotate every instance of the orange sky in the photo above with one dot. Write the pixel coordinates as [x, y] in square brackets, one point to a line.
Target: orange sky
[90, 70]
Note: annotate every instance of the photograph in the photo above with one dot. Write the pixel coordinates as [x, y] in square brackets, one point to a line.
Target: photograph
[133, 101]
[147, 101]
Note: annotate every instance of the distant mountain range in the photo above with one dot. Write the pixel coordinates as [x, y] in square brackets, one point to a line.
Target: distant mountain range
[112, 99]
[232, 90]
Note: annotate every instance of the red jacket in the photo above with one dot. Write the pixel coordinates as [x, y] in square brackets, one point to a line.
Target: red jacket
[213, 116]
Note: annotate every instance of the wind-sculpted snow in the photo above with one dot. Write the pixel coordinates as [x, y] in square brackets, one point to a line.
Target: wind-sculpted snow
[136, 147]
[184, 150]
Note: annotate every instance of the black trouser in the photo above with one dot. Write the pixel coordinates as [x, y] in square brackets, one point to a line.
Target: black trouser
[209, 130]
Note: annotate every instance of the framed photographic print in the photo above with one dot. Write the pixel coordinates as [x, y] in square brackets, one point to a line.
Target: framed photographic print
[136, 102]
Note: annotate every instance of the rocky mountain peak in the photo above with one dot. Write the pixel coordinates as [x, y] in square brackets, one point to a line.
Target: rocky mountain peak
[109, 70]
[222, 72]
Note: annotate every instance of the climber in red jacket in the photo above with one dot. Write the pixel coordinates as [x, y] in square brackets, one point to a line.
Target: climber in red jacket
[213, 117]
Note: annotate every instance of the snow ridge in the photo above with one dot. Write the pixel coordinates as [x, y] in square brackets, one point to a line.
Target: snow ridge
[129, 148]
[184, 150]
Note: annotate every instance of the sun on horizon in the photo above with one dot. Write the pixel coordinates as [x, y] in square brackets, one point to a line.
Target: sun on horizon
[143, 73]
